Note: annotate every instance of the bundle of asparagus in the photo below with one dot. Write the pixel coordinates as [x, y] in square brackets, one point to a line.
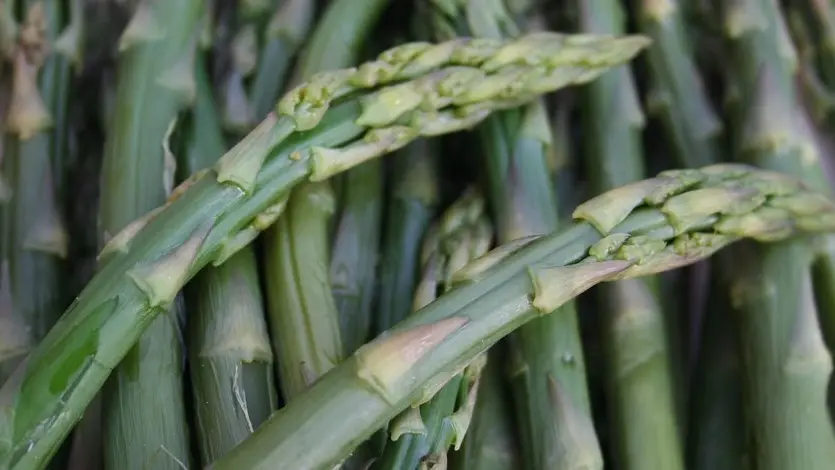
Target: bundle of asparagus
[374, 325]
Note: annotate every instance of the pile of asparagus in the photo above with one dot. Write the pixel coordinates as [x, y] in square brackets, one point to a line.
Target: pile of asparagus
[417, 234]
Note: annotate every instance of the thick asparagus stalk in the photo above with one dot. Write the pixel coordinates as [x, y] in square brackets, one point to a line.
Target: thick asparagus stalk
[646, 434]
[554, 433]
[35, 244]
[788, 366]
[229, 351]
[143, 406]
[411, 208]
[424, 434]
[630, 232]
[322, 128]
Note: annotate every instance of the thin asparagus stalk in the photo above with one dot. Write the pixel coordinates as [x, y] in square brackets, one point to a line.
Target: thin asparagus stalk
[554, 433]
[143, 405]
[284, 35]
[518, 282]
[787, 364]
[646, 434]
[714, 437]
[231, 358]
[353, 261]
[303, 318]
[33, 265]
[422, 435]
[321, 128]
[490, 442]
[298, 254]
[411, 208]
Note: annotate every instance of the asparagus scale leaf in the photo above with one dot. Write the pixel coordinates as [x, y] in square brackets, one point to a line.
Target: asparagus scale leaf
[321, 128]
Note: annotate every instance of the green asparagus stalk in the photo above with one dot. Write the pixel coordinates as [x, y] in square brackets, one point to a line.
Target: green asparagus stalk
[641, 386]
[231, 360]
[282, 38]
[35, 245]
[424, 434]
[411, 208]
[622, 234]
[554, 433]
[490, 442]
[143, 404]
[787, 364]
[321, 128]
[304, 316]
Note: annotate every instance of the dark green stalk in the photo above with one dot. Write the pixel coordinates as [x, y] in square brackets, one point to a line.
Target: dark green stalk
[231, 360]
[412, 204]
[787, 365]
[143, 408]
[640, 388]
[35, 245]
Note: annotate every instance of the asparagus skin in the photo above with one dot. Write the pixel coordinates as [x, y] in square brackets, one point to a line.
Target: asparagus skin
[640, 389]
[424, 434]
[411, 208]
[230, 354]
[553, 433]
[143, 405]
[33, 264]
[321, 128]
[516, 283]
[786, 362]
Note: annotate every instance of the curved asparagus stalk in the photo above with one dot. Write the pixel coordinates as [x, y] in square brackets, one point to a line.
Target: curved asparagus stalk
[231, 359]
[553, 433]
[424, 434]
[322, 128]
[145, 424]
[641, 391]
[411, 208]
[35, 240]
[622, 234]
[787, 363]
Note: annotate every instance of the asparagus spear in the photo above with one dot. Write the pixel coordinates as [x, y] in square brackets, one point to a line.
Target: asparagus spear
[143, 408]
[35, 240]
[422, 435]
[229, 351]
[411, 207]
[321, 128]
[787, 364]
[554, 433]
[640, 389]
[621, 234]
